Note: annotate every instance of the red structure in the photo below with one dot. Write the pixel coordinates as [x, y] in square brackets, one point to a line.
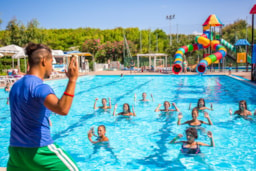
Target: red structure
[253, 71]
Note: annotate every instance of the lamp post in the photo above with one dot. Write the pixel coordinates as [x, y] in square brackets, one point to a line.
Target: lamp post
[170, 17]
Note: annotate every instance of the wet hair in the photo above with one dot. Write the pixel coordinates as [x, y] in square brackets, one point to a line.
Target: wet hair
[243, 101]
[103, 126]
[199, 101]
[129, 110]
[32, 51]
[104, 99]
[192, 131]
[195, 109]
[168, 103]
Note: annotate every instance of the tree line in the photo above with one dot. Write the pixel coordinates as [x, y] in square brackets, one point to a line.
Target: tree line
[109, 44]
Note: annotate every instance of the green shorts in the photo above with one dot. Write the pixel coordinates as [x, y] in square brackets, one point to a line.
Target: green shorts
[50, 157]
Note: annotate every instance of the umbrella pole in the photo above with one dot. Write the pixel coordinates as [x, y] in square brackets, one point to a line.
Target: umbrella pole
[25, 64]
[19, 64]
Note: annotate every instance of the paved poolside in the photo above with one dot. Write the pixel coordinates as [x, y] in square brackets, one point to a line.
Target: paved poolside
[245, 75]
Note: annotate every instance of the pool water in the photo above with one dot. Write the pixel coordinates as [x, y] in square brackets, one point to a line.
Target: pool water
[142, 142]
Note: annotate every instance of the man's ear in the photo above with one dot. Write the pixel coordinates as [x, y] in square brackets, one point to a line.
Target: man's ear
[43, 61]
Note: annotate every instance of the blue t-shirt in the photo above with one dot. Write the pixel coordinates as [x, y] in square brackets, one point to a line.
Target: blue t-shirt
[29, 117]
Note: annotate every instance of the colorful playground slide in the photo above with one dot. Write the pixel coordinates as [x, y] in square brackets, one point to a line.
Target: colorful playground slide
[233, 48]
[201, 43]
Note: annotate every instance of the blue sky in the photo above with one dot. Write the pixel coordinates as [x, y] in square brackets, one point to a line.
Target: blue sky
[109, 14]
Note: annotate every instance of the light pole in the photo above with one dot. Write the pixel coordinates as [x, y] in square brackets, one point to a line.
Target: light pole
[170, 17]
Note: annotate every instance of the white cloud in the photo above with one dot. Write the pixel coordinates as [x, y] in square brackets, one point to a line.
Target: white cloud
[197, 33]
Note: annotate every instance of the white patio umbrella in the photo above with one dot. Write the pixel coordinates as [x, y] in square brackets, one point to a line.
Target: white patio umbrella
[21, 54]
[1, 55]
[10, 50]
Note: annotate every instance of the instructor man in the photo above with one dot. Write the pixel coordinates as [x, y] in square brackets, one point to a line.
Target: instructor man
[31, 103]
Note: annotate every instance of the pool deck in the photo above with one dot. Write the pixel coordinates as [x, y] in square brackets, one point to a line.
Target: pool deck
[243, 76]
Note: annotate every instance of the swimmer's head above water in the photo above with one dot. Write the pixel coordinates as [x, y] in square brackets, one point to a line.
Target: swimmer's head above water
[126, 108]
[104, 101]
[191, 134]
[242, 105]
[201, 103]
[167, 105]
[144, 95]
[194, 113]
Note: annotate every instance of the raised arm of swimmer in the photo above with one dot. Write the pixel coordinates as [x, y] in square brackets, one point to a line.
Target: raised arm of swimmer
[176, 108]
[134, 114]
[114, 113]
[158, 108]
[95, 103]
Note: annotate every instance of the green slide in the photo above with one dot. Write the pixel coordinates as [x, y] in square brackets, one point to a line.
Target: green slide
[233, 48]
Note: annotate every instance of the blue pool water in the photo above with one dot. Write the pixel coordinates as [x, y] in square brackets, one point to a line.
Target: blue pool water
[142, 142]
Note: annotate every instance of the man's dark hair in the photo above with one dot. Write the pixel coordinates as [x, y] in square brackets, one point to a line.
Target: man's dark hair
[192, 131]
[34, 57]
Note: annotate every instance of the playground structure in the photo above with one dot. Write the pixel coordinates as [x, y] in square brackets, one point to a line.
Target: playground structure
[253, 66]
[206, 41]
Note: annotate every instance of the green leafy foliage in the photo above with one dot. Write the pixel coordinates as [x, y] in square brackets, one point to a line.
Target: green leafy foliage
[108, 44]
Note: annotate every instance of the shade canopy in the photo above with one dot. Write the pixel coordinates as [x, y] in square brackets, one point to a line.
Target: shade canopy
[213, 21]
[58, 54]
[20, 54]
[71, 52]
[242, 42]
[78, 53]
[10, 49]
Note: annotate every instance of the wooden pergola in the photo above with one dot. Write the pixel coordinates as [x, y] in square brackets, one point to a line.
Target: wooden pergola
[152, 55]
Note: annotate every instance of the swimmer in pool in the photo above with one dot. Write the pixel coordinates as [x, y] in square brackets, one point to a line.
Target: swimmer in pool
[167, 106]
[191, 146]
[243, 111]
[144, 97]
[7, 89]
[201, 105]
[104, 104]
[101, 135]
[195, 121]
[126, 110]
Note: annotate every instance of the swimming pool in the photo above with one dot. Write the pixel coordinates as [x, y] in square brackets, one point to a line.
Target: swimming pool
[142, 142]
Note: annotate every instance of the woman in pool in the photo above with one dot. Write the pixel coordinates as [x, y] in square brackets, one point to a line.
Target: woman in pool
[144, 97]
[126, 110]
[195, 121]
[243, 111]
[167, 106]
[201, 105]
[101, 135]
[104, 104]
[191, 146]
